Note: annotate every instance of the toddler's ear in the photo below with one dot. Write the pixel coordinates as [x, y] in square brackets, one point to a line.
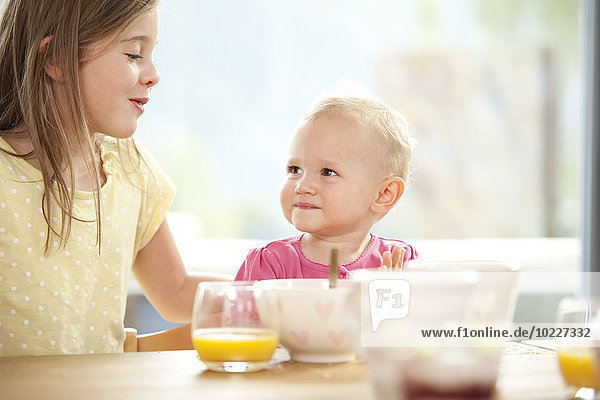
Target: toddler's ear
[51, 70]
[390, 192]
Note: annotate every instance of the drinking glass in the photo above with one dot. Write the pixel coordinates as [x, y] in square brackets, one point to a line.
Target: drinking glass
[227, 331]
[577, 356]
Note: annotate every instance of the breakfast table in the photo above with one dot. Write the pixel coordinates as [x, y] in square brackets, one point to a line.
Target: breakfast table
[527, 372]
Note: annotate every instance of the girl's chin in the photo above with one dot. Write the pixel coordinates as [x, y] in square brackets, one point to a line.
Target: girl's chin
[120, 135]
[122, 130]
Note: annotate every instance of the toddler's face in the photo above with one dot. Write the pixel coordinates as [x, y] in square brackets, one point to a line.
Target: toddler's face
[116, 83]
[332, 178]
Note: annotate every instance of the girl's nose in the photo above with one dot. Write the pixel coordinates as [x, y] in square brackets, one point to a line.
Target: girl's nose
[151, 76]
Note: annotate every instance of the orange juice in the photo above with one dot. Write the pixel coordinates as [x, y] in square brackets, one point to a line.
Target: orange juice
[579, 367]
[235, 344]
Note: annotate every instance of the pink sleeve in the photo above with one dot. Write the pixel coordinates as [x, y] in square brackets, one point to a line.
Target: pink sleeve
[411, 253]
[259, 264]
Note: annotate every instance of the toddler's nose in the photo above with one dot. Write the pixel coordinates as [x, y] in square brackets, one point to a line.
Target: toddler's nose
[304, 186]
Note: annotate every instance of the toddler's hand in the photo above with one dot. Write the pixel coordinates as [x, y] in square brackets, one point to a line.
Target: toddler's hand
[393, 260]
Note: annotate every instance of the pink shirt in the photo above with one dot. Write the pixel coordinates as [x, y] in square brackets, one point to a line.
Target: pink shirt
[284, 259]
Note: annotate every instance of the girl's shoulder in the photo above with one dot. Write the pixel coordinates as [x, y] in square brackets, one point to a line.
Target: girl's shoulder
[128, 155]
[15, 168]
[124, 148]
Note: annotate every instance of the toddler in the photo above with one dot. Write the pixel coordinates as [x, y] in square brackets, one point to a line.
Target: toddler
[348, 166]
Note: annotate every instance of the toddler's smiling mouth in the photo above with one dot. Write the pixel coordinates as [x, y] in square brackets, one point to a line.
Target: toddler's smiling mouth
[306, 206]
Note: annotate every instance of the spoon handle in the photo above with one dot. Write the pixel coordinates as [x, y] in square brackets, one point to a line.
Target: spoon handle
[334, 267]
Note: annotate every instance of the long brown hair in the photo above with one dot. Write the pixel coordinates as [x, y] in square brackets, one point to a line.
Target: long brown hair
[53, 115]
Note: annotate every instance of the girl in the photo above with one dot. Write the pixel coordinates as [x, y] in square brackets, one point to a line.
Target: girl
[81, 202]
[349, 159]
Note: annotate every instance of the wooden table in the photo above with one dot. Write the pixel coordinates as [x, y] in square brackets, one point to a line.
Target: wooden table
[527, 373]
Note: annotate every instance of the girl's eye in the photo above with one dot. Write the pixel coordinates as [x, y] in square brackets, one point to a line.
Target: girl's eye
[133, 56]
[292, 169]
[328, 172]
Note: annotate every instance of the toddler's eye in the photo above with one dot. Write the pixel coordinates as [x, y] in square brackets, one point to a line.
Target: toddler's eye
[292, 169]
[133, 56]
[328, 172]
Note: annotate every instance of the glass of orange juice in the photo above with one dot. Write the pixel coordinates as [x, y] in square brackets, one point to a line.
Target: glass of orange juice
[227, 330]
[577, 353]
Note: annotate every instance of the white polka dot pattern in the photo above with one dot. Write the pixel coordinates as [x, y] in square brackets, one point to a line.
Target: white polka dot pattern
[72, 299]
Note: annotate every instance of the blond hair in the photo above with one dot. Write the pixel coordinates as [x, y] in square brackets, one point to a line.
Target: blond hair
[386, 124]
[51, 116]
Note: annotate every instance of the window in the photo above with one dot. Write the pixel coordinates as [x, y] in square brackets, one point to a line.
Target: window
[492, 90]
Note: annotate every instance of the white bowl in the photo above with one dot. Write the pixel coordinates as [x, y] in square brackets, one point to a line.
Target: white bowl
[312, 320]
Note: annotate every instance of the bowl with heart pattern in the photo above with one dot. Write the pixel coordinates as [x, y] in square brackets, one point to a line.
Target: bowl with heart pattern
[313, 321]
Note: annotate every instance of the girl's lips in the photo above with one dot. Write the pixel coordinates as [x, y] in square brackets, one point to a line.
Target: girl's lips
[139, 103]
[306, 206]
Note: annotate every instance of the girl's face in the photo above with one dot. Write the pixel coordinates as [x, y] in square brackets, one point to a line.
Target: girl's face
[332, 179]
[115, 83]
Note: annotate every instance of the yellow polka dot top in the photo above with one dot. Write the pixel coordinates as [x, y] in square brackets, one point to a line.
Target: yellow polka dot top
[72, 299]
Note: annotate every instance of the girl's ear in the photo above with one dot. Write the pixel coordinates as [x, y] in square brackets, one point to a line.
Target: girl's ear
[390, 192]
[51, 70]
